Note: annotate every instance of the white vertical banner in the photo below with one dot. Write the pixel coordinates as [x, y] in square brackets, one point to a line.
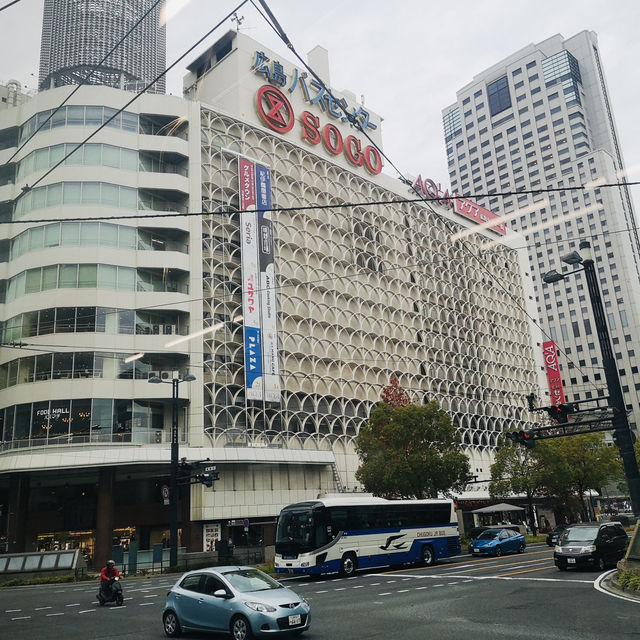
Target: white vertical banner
[250, 281]
[268, 294]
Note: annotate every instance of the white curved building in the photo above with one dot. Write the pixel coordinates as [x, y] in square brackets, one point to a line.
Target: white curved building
[342, 275]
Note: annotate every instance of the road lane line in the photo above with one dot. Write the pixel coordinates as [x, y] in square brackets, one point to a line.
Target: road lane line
[22, 618]
[75, 604]
[418, 588]
[50, 615]
[321, 591]
[388, 593]
[12, 610]
[515, 573]
[153, 595]
[43, 608]
[86, 611]
[341, 589]
[402, 591]
[146, 604]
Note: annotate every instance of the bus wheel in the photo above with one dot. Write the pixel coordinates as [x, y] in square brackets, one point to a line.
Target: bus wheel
[428, 557]
[348, 565]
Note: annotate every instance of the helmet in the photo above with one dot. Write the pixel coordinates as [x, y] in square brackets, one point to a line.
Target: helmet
[111, 563]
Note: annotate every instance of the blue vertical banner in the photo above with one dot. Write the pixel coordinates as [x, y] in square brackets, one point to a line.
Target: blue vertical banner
[250, 281]
[268, 294]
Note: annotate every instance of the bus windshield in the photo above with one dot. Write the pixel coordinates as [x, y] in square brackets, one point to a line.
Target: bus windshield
[295, 532]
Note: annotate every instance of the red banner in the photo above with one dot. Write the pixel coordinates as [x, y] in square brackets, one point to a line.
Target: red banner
[553, 372]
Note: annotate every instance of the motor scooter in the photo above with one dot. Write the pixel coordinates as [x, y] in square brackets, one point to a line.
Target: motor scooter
[111, 592]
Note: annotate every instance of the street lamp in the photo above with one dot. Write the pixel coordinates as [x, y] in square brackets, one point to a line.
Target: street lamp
[621, 428]
[173, 484]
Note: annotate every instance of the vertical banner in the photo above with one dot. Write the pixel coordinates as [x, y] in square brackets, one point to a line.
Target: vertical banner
[250, 281]
[553, 372]
[268, 297]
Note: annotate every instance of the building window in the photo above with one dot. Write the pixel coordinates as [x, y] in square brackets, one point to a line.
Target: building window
[499, 97]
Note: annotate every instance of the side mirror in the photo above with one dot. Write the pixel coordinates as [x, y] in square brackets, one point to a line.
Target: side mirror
[220, 593]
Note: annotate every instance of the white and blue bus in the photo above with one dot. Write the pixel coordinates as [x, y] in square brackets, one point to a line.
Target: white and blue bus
[345, 534]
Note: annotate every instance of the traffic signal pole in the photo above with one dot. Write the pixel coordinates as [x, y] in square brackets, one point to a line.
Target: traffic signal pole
[622, 430]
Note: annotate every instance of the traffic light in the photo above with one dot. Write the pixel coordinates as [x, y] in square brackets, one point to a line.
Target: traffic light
[209, 476]
[527, 439]
[560, 412]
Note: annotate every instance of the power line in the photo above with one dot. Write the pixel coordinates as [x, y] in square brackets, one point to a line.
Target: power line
[274, 209]
[9, 4]
[28, 188]
[86, 79]
[276, 27]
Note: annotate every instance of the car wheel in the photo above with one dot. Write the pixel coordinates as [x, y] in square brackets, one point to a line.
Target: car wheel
[602, 565]
[498, 550]
[428, 557]
[348, 565]
[171, 624]
[240, 628]
[521, 547]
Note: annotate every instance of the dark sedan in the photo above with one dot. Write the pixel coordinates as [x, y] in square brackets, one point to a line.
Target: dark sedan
[554, 536]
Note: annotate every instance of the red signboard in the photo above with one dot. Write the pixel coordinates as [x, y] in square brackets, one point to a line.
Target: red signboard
[462, 206]
[553, 372]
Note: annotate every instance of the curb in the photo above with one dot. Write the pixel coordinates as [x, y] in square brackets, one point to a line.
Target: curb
[608, 584]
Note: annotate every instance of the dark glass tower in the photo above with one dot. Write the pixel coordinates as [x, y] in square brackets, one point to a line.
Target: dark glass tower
[77, 34]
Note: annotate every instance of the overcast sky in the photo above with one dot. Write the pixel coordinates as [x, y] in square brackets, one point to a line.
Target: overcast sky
[406, 57]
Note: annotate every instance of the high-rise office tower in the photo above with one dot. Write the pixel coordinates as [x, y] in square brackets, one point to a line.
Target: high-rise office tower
[542, 119]
[77, 34]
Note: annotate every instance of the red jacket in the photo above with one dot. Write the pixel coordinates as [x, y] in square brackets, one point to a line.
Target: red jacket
[108, 574]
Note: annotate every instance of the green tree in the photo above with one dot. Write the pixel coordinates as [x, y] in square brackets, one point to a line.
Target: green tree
[574, 465]
[516, 471]
[410, 452]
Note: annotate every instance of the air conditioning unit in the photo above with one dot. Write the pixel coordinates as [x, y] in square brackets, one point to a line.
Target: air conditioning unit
[154, 374]
[169, 329]
[166, 375]
[155, 329]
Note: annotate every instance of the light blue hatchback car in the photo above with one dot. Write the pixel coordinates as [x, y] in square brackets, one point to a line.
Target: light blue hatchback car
[241, 601]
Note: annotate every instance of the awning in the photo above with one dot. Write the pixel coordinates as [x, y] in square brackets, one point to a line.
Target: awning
[497, 508]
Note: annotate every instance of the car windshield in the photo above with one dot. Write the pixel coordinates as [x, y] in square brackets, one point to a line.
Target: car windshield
[247, 580]
[579, 534]
[489, 535]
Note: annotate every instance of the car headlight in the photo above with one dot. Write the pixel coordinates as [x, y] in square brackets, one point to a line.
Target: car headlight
[558, 549]
[590, 549]
[304, 564]
[261, 607]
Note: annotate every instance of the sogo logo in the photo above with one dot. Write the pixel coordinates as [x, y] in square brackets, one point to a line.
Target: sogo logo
[276, 112]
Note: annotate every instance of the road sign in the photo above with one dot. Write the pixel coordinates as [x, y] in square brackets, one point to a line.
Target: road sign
[207, 469]
[165, 493]
[245, 524]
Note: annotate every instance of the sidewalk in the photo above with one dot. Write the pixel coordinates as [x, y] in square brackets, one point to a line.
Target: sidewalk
[610, 584]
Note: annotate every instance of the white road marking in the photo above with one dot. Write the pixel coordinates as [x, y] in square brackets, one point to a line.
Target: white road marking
[146, 604]
[12, 610]
[50, 615]
[22, 618]
[439, 585]
[43, 608]
[418, 588]
[358, 586]
[340, 589]
[320, 592]
[86, 611]
[388, 593]
[75, 604]
[153, 595]
[403, 591]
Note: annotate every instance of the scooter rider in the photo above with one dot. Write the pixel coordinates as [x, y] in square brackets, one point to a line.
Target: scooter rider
[107, 576]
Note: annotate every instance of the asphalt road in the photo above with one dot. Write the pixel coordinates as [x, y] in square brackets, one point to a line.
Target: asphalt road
[519, 597]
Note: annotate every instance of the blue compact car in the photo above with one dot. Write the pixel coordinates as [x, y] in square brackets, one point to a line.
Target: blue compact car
[241, 601]
[495, 542]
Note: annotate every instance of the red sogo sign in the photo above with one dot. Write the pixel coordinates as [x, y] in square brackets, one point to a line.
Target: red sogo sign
[553, 372]
[276, 112]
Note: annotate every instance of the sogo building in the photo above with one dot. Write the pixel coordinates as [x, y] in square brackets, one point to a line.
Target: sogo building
[299, 316]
